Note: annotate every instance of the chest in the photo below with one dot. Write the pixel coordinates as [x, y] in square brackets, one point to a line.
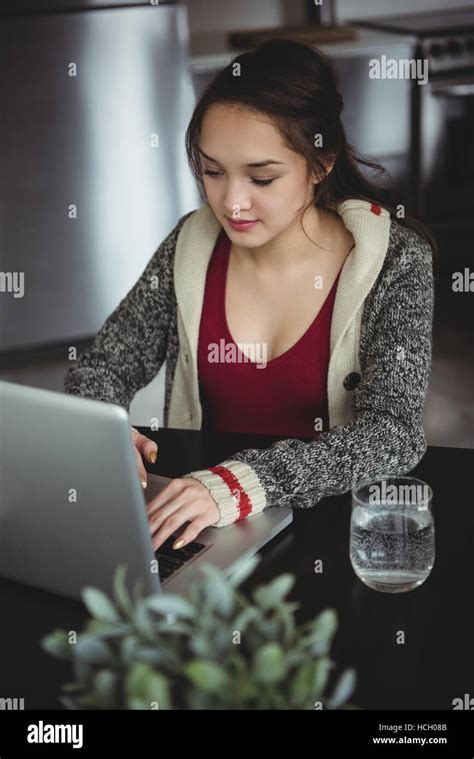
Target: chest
[275, 310]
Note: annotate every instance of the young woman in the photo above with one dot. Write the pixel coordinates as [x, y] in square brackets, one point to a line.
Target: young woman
[293, 302]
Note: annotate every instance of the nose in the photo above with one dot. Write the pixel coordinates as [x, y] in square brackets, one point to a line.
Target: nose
[236, 200]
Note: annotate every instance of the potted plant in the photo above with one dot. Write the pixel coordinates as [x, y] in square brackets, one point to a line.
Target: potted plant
[215, 650]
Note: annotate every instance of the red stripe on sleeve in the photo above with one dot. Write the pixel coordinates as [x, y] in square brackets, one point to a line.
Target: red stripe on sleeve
[236, 490]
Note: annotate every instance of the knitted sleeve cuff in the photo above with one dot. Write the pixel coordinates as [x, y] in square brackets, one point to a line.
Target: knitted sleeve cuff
[235, 488]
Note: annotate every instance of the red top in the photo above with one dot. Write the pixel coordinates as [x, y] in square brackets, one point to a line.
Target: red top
[282, 398]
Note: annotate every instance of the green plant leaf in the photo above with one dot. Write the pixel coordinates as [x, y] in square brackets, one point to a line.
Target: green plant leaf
[323, 666]
[84, 672]
[222, 641]
[245, 617]
[164, 603]
[295, 658]
[206, 675]
[56, 644]
[128, 656]
[141, 619]
[138, 703]
[269, 596]
[99, 605]
[243, 571]
[103, 629]
[143, 687]
[173, 628]
[288, 623]
[244, 690]
[343, 689]
[302, 683]
[138, 589]
[270, 629]
[93, 650]
[105, 688]
[269, 663]
[128, 646]
[219, 593]
[201, 645]
[149, 655]
[321, 632]
[158, 691]
[121, 595]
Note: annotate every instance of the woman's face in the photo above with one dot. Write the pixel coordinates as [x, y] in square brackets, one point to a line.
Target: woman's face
[235, 138]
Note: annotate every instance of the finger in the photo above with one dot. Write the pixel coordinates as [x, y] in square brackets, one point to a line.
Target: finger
[148, 448]
[159, 517]
[151, 451]
[171, 524]
[191, 532]
[168, 494]
[141, 469]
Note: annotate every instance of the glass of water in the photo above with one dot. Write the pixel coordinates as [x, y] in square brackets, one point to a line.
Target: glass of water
[392, 541]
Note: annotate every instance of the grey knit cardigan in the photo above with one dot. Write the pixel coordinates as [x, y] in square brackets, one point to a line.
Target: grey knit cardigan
[378, 376]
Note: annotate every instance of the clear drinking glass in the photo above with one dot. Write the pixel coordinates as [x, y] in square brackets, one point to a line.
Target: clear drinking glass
[392, 540]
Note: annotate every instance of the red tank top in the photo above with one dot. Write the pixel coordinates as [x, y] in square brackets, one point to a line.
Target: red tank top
[283, 398]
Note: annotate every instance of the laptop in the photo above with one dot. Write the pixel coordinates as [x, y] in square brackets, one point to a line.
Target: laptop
[72, 507]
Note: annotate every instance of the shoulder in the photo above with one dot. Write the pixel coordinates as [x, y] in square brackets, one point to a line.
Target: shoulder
[173, 235]
[407, 252]
[407, 273]
[403, 248]
[166, 249]
[407, 270]
[199, 224]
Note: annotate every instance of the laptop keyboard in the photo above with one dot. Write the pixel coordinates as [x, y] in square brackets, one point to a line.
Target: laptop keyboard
[170, 560]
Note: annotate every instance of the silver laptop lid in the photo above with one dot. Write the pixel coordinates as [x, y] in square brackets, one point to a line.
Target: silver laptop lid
[71, 502]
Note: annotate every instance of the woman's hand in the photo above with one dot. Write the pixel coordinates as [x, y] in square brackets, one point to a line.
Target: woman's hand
[144, 449]
[182, 500]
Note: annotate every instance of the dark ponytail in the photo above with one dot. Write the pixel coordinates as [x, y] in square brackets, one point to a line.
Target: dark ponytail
[295, 86]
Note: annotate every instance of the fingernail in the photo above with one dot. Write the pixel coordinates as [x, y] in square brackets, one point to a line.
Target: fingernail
[143, 484]
[178, 544]
[153, 457]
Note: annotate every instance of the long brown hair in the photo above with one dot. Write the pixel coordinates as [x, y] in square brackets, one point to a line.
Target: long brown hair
[296, 86]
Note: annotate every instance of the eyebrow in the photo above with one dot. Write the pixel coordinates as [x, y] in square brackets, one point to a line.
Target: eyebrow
[256, 165]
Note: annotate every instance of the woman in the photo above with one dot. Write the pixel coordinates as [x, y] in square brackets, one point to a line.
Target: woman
[311, 318]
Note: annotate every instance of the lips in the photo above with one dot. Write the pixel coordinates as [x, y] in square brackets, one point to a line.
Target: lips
[241, 226]
[241, 221]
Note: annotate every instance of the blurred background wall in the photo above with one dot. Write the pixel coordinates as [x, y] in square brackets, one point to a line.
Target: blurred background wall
[94, 172]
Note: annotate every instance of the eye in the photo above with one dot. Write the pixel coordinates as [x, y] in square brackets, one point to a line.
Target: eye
[211, 173]
[259, 182]
[263, 182]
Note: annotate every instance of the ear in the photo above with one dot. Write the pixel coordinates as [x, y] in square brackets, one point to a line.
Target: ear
[317, 178]
[330, 165]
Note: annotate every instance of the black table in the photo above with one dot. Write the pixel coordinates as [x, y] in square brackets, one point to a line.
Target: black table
[435, 664]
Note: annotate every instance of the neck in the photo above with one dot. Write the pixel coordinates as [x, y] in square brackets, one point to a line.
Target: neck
[292, 248]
